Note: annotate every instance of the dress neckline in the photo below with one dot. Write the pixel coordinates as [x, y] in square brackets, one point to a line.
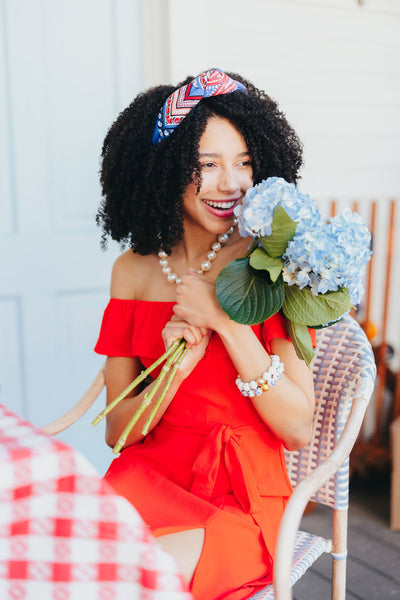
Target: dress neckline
[143, 301]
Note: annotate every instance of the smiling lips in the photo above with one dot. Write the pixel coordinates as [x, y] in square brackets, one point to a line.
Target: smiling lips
[221, 208]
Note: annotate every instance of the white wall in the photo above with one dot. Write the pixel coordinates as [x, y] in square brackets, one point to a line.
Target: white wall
[66, 70]
[334, 67]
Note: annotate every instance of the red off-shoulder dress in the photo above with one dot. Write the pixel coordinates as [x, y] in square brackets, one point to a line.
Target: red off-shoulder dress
[210, 463]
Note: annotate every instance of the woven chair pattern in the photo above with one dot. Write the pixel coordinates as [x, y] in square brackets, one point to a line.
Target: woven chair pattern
[307, 549]
[343, 368]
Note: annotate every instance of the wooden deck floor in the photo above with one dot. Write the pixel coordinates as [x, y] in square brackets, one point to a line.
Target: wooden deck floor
[373, 566]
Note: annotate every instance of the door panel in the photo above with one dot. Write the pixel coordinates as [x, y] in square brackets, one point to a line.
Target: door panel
[66, 71]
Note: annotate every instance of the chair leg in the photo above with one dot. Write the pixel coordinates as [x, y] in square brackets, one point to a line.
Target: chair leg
[339, 554]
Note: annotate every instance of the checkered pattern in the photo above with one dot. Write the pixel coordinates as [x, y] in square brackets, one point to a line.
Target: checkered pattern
[64, 534]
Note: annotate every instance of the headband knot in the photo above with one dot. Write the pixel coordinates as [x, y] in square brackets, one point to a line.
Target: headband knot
[182, 100]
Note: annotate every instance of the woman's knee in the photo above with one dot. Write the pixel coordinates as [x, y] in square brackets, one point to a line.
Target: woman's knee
[185, 547]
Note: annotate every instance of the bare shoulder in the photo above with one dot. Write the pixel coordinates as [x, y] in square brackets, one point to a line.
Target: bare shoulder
[128, 275]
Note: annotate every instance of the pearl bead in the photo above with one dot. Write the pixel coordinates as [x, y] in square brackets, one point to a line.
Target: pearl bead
[205, 265]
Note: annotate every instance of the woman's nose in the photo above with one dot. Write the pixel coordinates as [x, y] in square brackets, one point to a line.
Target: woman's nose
[228, 182]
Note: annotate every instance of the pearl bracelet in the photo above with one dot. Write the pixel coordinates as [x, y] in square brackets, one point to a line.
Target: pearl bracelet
[269, 378]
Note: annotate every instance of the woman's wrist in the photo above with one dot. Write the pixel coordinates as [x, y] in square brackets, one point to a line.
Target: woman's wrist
[230, 331]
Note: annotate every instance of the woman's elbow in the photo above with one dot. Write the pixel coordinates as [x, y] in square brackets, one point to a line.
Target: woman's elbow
[112, 433]
[299, 438]
[110, 437]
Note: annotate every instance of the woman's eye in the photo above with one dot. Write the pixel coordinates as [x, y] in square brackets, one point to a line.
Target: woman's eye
[207, 165]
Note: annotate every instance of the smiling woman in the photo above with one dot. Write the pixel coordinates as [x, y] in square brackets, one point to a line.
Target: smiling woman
[226, 175]
[209, 477]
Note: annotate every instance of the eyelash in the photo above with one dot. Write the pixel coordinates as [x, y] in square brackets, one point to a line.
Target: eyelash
[244, 163]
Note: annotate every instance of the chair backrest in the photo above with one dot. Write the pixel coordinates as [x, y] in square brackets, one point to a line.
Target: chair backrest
[344, 368]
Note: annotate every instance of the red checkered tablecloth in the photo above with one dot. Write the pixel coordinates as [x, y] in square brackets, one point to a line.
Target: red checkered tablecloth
[64, 533]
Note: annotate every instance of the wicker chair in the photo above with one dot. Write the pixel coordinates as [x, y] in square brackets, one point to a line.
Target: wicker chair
[344, 373]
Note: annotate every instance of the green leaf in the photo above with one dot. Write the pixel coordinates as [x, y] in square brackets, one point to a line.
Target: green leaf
[301, 341]
[260, 260]
[245, 296]
[283, 230]
[301, 306]
[327, 324]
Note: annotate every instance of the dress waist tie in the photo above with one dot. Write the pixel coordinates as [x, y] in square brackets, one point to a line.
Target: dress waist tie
[223, 443]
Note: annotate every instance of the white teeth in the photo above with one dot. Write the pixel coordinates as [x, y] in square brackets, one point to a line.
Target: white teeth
[223, 205]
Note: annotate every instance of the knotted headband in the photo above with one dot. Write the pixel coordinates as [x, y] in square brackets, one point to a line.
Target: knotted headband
[182, 100]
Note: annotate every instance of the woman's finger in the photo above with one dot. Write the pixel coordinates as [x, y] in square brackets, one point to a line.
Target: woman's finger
[180, 329]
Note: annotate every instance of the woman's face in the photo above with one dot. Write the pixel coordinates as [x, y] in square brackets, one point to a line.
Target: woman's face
[226, 173]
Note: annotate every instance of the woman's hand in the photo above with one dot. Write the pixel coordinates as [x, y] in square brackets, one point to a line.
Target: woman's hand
[197, 339]
[197, 304]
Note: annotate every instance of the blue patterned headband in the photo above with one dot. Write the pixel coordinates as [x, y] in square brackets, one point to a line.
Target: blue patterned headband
[182, 100]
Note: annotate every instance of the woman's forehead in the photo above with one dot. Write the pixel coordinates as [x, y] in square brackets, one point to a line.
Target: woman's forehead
[219, 136]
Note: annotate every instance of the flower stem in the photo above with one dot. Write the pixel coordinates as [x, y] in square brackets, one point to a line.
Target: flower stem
[124, 435]
[148, 397]
[253, 246]
[157, 405]
[171, 360]
[135, 382]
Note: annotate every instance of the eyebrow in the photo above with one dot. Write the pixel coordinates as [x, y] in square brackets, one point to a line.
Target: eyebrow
[217, 155]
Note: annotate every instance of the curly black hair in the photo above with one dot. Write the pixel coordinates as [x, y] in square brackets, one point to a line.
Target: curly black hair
[143, 184]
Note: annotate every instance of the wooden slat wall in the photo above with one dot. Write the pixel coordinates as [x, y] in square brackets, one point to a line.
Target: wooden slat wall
[379, 309]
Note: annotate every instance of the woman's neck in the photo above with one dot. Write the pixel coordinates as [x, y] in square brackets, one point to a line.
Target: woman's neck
[196, 242]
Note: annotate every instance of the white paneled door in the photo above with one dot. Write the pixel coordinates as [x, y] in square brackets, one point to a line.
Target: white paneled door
[66, 70]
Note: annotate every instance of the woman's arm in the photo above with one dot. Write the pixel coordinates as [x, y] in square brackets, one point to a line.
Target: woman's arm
[121, 371]
[287, 408]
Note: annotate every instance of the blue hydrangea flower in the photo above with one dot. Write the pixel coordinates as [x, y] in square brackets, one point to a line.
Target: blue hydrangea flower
[255, 213]
[329, 255]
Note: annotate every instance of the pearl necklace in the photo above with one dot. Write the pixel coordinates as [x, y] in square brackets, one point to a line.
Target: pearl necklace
[206, 265]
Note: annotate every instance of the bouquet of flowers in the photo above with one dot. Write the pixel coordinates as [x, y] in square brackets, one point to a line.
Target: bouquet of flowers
[309, 268]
